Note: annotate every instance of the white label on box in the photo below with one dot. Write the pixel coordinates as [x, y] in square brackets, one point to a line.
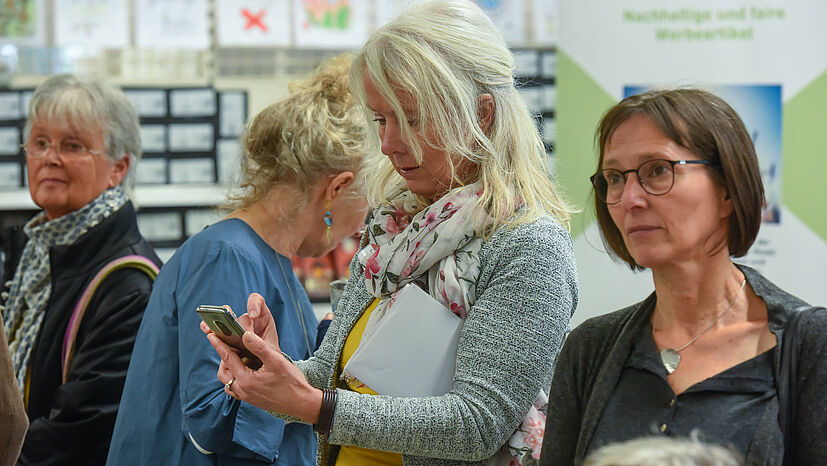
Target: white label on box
[148, 103]
[549, 64]
[549, 130]
[196, 220]
[232, 117]
[549, 98]
[192, 102]
[152, 171]
[10, 106]
[228, 153]
[25, 98]
[191, 171]
[9, 175]
[162, 226]
[154, 138]
[9, 140]
[191, 137]
[525, 62]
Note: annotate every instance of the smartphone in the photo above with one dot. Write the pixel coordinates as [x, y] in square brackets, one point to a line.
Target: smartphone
[224, 324]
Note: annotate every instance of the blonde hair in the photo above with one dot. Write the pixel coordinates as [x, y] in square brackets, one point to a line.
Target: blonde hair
[316, 131]
[91, 103]
[445, 55]
[664, 451]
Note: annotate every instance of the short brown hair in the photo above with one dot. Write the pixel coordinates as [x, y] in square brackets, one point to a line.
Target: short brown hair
[706, 125]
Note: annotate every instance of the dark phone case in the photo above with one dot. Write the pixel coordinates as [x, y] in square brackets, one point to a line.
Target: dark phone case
[227, 328]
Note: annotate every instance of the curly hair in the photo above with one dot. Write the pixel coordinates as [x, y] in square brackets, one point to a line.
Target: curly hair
[314, 132]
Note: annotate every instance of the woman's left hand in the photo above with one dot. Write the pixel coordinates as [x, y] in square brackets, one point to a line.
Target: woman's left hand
[277, 385]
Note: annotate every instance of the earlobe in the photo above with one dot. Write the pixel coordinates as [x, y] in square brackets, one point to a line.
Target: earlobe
[119, 170]
[338, 184]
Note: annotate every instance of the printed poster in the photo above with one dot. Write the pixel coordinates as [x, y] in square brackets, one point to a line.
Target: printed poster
[21, 22]
[93, 23]
[172, 24]
[338, 24]
[253, 23]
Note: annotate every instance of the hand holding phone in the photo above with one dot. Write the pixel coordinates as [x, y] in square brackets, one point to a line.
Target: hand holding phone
[224, 324]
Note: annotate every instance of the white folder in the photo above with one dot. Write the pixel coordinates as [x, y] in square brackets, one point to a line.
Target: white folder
[413, 350]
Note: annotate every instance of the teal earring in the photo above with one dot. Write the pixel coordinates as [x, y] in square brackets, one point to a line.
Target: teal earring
[328, 221]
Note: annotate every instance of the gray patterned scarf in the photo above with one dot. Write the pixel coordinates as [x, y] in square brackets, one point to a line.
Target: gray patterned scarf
[31, 285]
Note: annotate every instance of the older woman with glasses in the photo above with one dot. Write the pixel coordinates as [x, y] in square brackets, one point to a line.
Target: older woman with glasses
[678, 191]
[82, 273]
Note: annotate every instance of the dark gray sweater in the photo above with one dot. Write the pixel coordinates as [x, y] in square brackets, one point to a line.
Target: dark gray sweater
[593, 358]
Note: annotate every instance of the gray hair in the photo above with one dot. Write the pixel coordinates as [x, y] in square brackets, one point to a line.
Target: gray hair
[91, 103]
[664, 451]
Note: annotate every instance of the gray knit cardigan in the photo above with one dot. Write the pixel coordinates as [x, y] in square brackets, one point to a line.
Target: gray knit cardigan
[526, 294]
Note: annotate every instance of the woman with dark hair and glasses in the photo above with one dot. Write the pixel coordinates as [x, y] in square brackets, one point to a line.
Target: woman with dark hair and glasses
[678, 191]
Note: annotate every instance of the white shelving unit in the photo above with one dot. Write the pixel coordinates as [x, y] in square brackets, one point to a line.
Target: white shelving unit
[145, 195]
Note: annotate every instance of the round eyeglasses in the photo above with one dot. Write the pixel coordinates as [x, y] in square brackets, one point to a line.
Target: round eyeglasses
[656, 177]
[38, 147]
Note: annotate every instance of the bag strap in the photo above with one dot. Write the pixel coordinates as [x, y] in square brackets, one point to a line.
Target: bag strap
[132, 261]
[788, 381]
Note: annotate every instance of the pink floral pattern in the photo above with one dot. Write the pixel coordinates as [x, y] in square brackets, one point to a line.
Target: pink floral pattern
[441, 238]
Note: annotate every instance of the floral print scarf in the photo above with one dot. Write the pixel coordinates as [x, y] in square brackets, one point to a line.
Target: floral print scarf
[438, 248]
[31, 286]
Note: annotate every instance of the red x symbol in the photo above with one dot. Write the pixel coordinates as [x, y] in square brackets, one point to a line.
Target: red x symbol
[254, 20]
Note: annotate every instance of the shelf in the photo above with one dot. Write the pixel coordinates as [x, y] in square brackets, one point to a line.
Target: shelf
[146, 195]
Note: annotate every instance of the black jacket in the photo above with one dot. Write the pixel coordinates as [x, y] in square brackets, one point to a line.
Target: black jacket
[71, 423]
[593, 358]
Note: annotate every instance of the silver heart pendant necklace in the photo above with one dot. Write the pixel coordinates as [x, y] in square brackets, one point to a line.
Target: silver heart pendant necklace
[670, 357]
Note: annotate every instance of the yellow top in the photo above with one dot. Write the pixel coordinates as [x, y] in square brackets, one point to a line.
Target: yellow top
[350, 455]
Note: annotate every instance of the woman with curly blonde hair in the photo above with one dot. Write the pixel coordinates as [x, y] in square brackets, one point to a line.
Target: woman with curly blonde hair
[302, 195]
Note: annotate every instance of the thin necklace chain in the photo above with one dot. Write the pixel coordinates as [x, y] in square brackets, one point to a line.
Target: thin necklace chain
[734, 298]
[296, 304]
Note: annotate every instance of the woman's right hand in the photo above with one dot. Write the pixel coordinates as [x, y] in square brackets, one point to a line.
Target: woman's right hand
[277, 385]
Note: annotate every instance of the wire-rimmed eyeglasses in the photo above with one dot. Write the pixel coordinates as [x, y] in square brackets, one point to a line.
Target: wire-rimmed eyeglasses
[656, 177]
[38, 147]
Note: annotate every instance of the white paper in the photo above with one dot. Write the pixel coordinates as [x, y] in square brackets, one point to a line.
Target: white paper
[327, 24]
[191, 137]
[253, 22]
[509, 17]
[154, 138]
[546, 16]
[9, 175]
[10, 106]
[232, 113]
[26, 97]
[386, 10]
[192, 102]
[9, 140]
[95, 23]
[172, 24]
[152, 171]
[413, 350]
[191, 171]
[148, 103]
[163, 226]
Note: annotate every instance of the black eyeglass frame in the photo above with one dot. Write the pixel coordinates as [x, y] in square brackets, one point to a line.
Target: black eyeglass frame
[672, 163]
